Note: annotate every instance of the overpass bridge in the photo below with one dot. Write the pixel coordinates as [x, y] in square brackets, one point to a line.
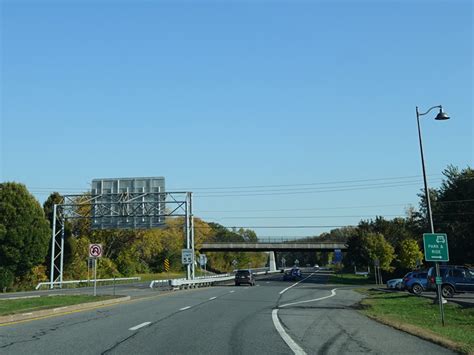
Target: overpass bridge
[272, 246]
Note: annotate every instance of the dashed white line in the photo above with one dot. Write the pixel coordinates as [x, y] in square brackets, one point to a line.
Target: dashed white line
[212, 298]
[231, 291]
[139, 326]
[287, 339]
[185, 308]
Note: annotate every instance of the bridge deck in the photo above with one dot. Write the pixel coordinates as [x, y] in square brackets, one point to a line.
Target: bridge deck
[288, 246]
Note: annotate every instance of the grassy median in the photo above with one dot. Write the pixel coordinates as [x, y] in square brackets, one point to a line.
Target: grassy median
[419, 316]
[25, 305]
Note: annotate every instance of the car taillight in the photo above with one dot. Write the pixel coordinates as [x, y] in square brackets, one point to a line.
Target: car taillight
[432, 280]
[406, 279]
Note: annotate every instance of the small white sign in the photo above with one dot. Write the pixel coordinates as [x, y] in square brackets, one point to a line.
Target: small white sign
[202, 259]
[95, 250]
[186, 256]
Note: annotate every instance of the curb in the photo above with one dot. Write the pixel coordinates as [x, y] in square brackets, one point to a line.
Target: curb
[4, 320]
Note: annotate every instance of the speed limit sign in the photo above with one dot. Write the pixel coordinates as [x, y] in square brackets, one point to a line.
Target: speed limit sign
[95, 250]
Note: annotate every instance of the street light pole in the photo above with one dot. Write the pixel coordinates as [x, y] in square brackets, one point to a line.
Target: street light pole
[441, 116]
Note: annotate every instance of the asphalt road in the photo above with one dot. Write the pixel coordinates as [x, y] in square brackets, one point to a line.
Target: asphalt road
[275, 317]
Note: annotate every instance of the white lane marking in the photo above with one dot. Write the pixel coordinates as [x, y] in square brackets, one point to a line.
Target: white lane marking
[231, 291]
[212, 298]
[185, 308]
[267, 282]
[333, 293]
[59, 309]
[139, 326]
[257, 285]
[286, 289]
[27, 314]
[287, 339]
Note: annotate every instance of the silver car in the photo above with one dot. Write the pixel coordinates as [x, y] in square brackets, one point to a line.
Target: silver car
[395, 284]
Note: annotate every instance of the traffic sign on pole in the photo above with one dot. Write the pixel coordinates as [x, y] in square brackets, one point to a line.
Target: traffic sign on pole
[166, 265]
[95, 250]
[436, 246]
[187, 256]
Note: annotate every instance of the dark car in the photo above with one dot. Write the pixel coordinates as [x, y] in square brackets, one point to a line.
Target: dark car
[455, 279]
[244, 277]
[415, 282]
[292, 275]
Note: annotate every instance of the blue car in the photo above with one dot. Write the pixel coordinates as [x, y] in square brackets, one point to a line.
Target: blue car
[293, 274]
[415, 282]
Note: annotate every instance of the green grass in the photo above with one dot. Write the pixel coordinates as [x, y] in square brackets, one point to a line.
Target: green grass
[24, 305]
[349, 279]
[422, 316]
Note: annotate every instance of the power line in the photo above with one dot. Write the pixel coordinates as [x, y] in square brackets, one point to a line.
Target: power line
[308, 184]
[306, 192]
[300, 217]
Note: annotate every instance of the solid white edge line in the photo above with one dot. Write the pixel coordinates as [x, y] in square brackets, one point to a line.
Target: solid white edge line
[212, 298]
[185, 308]
[139, 326]
[333, 293]
[286, 338]
[286, 289]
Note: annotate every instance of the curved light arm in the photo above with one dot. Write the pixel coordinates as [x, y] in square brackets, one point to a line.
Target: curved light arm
[431, 108]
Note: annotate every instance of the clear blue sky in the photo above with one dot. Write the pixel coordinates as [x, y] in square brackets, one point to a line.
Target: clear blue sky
[242, 93]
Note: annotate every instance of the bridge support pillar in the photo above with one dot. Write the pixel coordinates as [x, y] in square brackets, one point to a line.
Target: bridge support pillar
[271, 261]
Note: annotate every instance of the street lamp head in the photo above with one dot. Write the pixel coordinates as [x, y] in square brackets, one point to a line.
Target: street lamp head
[441, 116]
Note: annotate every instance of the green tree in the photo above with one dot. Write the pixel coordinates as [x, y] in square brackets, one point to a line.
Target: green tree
[453, 213]
[409, 253]
[365, 247]
[24, 232]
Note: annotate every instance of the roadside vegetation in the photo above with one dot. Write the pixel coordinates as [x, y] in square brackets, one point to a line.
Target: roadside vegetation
[421, 317]
[24, 305]
[25, 240]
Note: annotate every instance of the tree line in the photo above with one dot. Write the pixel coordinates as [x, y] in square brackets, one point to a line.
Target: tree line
[25, 243]
[25, 238]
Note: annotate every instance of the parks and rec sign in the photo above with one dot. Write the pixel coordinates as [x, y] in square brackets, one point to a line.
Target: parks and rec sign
[436, 246]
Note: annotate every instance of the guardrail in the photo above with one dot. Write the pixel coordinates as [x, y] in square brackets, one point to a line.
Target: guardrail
[86, 281]
[202, 281]
[168, 282]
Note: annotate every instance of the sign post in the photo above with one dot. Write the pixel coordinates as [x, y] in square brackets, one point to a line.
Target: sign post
[95, 251]
[436, 249]
[203, 261]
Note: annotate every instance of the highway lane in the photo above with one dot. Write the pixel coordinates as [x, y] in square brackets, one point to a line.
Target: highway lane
[218, 320]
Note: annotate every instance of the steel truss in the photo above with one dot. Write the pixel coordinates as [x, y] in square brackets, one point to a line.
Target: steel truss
[119, 206]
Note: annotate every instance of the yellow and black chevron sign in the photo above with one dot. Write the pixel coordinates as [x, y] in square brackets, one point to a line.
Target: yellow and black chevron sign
[166, 265]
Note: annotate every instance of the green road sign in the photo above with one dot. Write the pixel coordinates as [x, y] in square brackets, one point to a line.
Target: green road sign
[439, 280]
[436, 246]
